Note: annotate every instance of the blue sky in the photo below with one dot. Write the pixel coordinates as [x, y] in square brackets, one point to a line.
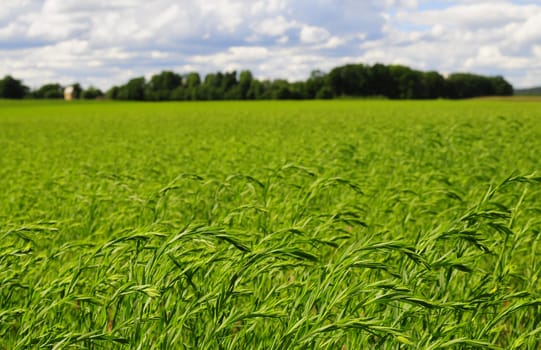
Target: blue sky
[106, 42]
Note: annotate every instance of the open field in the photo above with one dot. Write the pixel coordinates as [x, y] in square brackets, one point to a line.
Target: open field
[270, 225]
[516, 98]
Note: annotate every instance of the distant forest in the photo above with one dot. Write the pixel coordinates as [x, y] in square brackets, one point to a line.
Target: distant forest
[352, 80]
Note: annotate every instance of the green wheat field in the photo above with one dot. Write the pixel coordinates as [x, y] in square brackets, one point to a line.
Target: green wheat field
[270, 225]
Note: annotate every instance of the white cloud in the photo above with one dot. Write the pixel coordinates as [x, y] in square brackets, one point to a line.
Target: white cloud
[232, 55]
[105, 42]
[275, 26]
[491, 56]
[485, 37]
[313, 34]
[529, 31]
[537, 51]
[12, 30]
[283, 39]
[334, 42]
[475, 15]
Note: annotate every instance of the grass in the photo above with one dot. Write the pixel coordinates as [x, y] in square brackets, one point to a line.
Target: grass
[270, 225]
[516, 98]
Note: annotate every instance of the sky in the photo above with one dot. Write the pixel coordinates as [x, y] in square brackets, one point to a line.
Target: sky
[107, 42]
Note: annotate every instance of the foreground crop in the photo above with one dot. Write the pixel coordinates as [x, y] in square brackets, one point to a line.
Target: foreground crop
[322, 225]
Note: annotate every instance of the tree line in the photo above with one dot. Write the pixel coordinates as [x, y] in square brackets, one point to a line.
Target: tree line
[15, 89]
[351, 80]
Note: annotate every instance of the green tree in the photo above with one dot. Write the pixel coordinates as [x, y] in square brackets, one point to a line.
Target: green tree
[315, 84]
[350, 80]
[133, 90]
[245, 81]
[407, 80]
[229, 80]
[230, 86]
[179, 94]
[280, 90]
[298, 90]
[257, 90]
[432, 85]
[12, 88]
[91, 93]
[192, 81]
[501, 87]
[325, 93]
[77, 90]
[466, 85]
[49, 91]
[382, 82]
[211, 89]
[392, 81]
[112, 93]
[161, 86]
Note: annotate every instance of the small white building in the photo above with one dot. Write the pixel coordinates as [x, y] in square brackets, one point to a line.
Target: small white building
[69, 93]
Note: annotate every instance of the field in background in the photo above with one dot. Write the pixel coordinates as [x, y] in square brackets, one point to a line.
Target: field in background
[309, 225]
[516, 98]
[535, 91]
